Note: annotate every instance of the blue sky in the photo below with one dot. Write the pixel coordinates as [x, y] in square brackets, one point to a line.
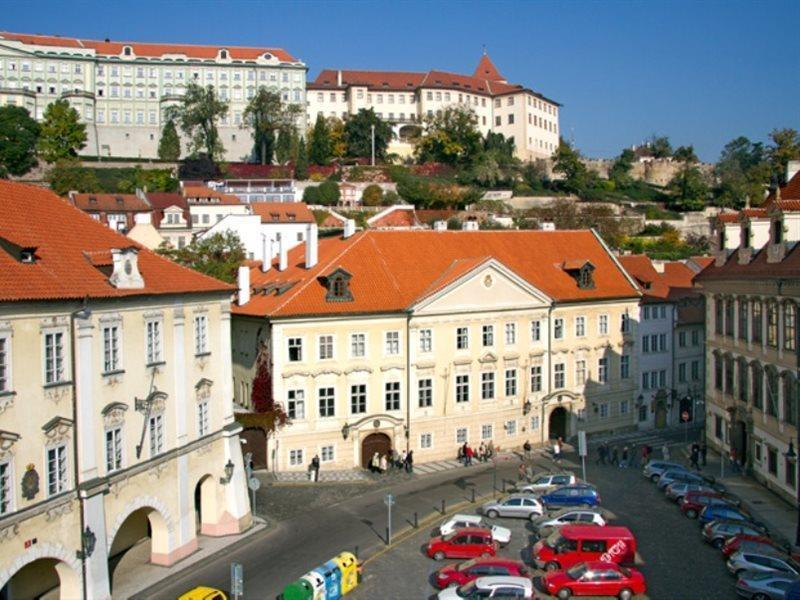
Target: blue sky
[700, 72]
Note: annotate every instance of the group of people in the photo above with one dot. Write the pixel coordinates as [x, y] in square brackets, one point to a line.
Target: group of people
[400, 461]
[466, 453]
[625, 458]
[698, 453]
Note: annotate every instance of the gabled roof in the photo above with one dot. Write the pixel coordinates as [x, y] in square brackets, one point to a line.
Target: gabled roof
[790, 191]
[192, 192]
[669, 285]
[110, 202]
[757, 268]
[70, 245]
[487, 70]
[160, 201]
[282, 212]
[392, 270]
[394, 217]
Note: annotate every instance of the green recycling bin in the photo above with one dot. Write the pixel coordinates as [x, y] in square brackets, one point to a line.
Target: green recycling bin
[298, 590]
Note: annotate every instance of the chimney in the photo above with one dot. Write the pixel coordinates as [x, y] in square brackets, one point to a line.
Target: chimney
[266, 253]
[244, 285]
[349, 228]
[792, 168]
[440, 226]
[283, 255]
[339, 78]
[311, 245]
[125, 269]
[469, 226]
[547, 226]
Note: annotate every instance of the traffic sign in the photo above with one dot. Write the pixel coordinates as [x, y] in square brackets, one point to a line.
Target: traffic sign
[685, 416]
[237, 580]
[254, 483]
[389, 500]
[582, 443]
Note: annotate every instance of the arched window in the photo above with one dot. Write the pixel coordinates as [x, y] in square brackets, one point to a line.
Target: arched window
[772, 392]
[127, 51]
[789, 398]
[772, 324]
[757, 386]
[223, 54]
[789, 326]
[743, 389]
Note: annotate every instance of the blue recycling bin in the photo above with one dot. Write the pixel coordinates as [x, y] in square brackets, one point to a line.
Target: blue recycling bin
[332, 575]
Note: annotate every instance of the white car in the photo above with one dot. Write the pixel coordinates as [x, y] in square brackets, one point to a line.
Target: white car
[545, 483]
[500, 586]
[570, 516]
[501, 535]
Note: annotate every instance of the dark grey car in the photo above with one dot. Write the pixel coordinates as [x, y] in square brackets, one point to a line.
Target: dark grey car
[755, 585]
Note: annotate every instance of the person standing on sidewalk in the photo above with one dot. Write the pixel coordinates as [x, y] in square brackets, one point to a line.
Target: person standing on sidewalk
[625, 454]
[694, 457]
[602, 451]
[614, 456]
[526, 447]
[645, 454]
[315, 468]
[665, 451]
[557, 450]
[410, 461]
[703, 452]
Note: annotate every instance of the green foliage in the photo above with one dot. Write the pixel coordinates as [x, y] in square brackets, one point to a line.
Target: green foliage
[329, 193]
[500, 148]
[567, 162]
[311, 195]
[68, 175]
[390, 198]
[301, 163]
[372, 195]
[450, 137]
[659, 146]
[62, 135]
[659, 229]
[218, 255]
[454, 223]
[653, 213]
[266, 115]
[319, 215]
[431, 192]
[319, 142]
[667, 246]
[620, 171]
[287, 145]
[742, 172]
[337, 137]
[19, 134]
[198, 114]
[785, 147]
[358, 135]
[169, 146]
[688, 187]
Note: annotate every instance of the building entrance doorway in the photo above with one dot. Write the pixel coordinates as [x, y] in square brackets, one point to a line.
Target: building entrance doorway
[374, 442]
[740, 441]
[559, 423]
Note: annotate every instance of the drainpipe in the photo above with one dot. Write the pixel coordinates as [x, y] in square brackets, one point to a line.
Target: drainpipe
[408, 381]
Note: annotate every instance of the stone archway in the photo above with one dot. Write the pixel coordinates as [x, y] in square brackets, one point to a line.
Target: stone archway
[206, 508]
[558, 423]
[142, 536]
[374, 442]
[45, 571]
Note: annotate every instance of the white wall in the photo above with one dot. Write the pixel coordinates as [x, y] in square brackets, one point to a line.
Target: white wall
[250, 229]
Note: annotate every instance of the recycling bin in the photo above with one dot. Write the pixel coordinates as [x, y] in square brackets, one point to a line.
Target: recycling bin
[333, 579]
[317, 582]
[348, 566]
[298, 590]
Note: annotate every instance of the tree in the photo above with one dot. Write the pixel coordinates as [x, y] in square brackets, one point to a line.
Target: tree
[372, 195]
[358, 134]
[301, 164]
[266, 115]
[390, 198]
[19, 134]
[688, 187]
[62, 134]
[311, 195]
[450, 137]
[329, 193]
[567, 161]
[319, 142]
[500, 148]
[685, 154]
[785, 147]
[337, 135]
[659, 146]
[169, 146]
[486, 171]
[287, 145]
[218, 255]
[198, 115]
[620, 171]
[68, 175]
[742, 172]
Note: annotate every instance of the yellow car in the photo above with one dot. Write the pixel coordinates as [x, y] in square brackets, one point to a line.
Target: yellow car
[203, 593]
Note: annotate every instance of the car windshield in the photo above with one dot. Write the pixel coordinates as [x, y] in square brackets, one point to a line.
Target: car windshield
[577, 571]
[467, 564]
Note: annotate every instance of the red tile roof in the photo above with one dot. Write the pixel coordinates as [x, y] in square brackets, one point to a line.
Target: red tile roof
[735, 217]
[671, 284]
[282, 212]
[111, 48]
[487, 70]
[392, 270]
[394, 217]
[110, 202]
[192, 192]
[757, 268]
[69, 244]
[790, 191]
[163, 200]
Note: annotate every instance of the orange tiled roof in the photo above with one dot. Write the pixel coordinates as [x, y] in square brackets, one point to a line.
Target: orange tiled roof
[790, 191]
[757, 268]
[200, 191]
[111, 48]
[487, 70]
[110, 202]
[392, 270]
[735, 217]
[394, 217]
[282, 212]
[671, 284]
[69, 246]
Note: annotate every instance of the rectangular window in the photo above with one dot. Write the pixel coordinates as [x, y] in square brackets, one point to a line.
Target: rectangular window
[580, 372]
[695, 370]
[790, 468]
[718, 427]
[425, 340]
[602, 325]
[462, 434]
[624, 366]
[325, 347]
[645, 344]
[487, 335]
[358, 345]
[425, 392]
[426, 440]
[602, 370]
[682, 339]
[153, 342]
[358, 399]
[662, 342]
[486, 432]
[743, 310]
[536, 378]
[56, 469]
[462, 338]
[111, 358]
[113, 449]
[511, 382]
[54, 357]
[296, 458]
[623, 407]
[326, 454]
[392, 343]
[756, 321]
[487, 386]
[789, 326]
[391, 394]
[202, 419]
[772, 461]
[511, 427]
[5, 488]
[156, 431]
[511, 334]
[295, 349]
[580, 326]
[558, 329]
[296, 404]
[462, 388]
[645, 313]
[682, 373]
[200, 335]
[5, 364]
[645, 381]
[327, 401]
[695, 338]
[625, 323]
[536, 331]
[559, 379]
[604, 410]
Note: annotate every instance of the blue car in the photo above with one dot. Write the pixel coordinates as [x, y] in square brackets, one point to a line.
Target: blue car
[722, 512]
[572, 495]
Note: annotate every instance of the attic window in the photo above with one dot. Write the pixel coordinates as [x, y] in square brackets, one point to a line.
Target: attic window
[120, 200]
[291, 216]
[267, 55]
[585, 277]
[223, 54]
[338, 284]
[27, 255]
[92, 199]
[127, 51]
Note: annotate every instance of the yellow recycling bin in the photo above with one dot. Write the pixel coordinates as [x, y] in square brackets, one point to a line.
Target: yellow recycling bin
[348, 565]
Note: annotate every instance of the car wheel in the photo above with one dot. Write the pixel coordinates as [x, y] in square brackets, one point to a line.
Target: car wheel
[492, 514]
[691, 513]
[551, 566]
[438, 555]
[533, 516]
[654, 478]
[625, 594]
[759, 597]
[564, 593]
[718, 543]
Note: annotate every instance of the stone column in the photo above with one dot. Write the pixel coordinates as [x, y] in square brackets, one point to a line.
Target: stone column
[98, 586]
[226, 374]
[179, 404]
[86, 410]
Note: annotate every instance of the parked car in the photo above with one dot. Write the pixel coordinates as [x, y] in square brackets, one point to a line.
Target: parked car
[673, 475]
[595, 579]
[573, 544]
[502, 535]
[478, 567]
[677, 490]
[571, 495]
[717, 533]
[733, 544]
[754, 560]
[568, 516]
[655, 468]
[491, 587]
[758, 585]
[516, 505]
[694, 502]
[717, 512]
[547, 482]
[469, 542]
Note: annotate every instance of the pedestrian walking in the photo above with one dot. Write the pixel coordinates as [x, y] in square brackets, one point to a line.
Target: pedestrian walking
[375, 463]
[526, 447]
[615, 456]
[703, 452]
[470, 455]
[401, 461]
[624, 462]
[602, 452]
[557, 451]
[521, 474]
[665, 451]
[410, 461]
[384, 464]
[694, 457]
[482, 452]
[315, 467]
[645, 454]
[490, 450]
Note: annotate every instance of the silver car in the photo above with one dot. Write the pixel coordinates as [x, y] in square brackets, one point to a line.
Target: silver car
[545, 483]
[744, 560]
[655, 468]
[678, 489]
[516, 505]
[758, 585]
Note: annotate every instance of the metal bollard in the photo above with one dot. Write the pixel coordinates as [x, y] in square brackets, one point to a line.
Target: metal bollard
[388, 539]
[442, 505]
[504, 486]
[473, 495]
[416, 523]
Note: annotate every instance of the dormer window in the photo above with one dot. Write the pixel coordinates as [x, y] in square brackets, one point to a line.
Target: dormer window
[338, 284]
[27, 255]
[267, 56]
[223, 54]
[127, 51]
[777, 231]
[582, 271]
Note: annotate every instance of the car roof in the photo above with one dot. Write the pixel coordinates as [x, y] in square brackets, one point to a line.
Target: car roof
[474, 518]
[497, 560]
[521, 496]
[744, 522]
[592, 532]
[772, 553]
[497, 580]
[569, 510]
[599, 564]
[481, 530]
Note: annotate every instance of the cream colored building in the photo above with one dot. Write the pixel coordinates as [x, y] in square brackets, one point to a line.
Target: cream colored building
[116, 421]
[122, 89]
[404, 99]
[424, 340]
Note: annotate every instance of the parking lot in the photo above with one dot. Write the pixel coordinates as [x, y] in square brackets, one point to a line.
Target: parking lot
[675, 561]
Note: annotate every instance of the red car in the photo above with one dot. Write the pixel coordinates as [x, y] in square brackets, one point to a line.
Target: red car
[469, 542]
[732, 544]
[694, 502]
[479, 567]
[595, 579]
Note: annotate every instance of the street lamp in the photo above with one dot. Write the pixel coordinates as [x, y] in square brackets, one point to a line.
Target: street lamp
[88, 542]
[345, 430]
[228, 473]
[526, 407]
